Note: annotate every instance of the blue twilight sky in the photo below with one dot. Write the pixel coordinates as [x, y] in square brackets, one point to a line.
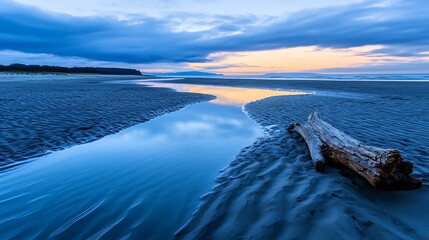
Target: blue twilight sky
[224, 36]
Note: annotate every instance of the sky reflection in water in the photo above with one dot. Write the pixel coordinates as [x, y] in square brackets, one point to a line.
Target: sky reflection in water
[141, 183]
[227, 95]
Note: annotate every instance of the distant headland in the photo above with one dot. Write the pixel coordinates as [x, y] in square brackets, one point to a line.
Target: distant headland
[22, 68]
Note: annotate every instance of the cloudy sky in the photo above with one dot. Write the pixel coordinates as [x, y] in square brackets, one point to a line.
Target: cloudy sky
[224, 36]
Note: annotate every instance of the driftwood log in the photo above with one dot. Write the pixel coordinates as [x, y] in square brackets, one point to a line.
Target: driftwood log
[382, 168]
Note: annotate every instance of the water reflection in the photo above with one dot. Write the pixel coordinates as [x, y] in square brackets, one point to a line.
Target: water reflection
[227, 95]
[142, 183]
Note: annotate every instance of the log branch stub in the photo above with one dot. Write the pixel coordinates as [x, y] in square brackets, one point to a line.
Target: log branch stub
[313, 143]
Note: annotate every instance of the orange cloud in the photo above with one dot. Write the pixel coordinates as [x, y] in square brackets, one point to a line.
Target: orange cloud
[285, 60]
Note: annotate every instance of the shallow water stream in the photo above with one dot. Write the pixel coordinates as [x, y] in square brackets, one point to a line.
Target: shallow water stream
[143, 182]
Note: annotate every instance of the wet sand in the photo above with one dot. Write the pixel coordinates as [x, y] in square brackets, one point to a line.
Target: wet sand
[271, 190]
[45, 113]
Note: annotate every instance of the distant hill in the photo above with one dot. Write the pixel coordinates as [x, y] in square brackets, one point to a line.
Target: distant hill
[73, 70]
[187, 74]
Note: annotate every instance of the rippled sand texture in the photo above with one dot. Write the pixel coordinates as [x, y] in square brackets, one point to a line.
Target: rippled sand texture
[271, 190]
[54, 112]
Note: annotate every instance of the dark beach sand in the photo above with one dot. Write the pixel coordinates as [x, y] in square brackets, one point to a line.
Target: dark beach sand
[43, 113]
[271, 190]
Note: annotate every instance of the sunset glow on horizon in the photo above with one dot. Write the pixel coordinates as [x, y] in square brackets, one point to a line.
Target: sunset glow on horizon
[285, 60]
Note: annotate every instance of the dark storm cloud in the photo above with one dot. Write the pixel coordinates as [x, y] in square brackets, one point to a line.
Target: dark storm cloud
[404, 23]
[402, 27]
[31, 30]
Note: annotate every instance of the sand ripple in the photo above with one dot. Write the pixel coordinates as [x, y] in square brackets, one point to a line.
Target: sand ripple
[271, 190]
[40, 116]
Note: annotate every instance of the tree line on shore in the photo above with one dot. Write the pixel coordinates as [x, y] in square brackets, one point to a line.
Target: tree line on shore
[16, 68]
